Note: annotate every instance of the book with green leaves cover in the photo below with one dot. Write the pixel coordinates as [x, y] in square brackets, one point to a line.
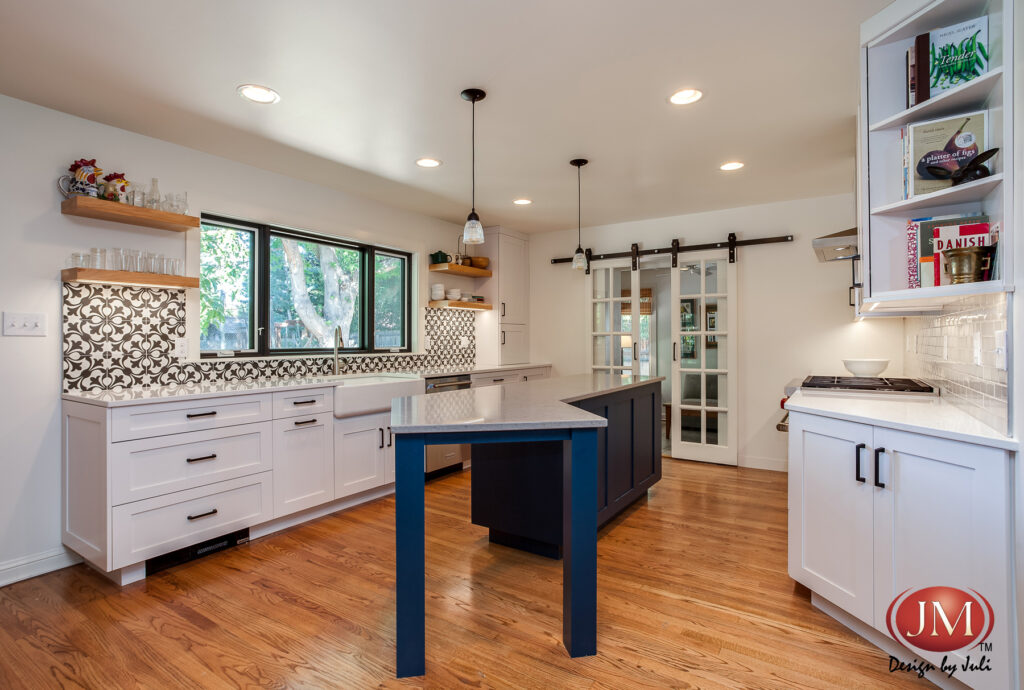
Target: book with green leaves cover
[958, 54]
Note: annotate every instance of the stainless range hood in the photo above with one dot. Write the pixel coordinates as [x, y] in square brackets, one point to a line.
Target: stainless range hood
[837, 246]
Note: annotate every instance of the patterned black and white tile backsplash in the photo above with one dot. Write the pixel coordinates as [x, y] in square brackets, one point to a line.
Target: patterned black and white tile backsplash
[119, 337]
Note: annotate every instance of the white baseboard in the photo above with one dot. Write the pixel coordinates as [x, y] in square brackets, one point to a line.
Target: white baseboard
[18, 569]
[762, 463]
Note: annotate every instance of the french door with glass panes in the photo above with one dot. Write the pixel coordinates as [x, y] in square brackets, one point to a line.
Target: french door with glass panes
[614, 332]
[704, 403]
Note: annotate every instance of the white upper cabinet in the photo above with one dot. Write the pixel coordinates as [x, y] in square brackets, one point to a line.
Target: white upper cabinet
[883, 213]
[513, 279]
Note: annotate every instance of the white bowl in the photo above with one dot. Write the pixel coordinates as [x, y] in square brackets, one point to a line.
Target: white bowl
[865, 367]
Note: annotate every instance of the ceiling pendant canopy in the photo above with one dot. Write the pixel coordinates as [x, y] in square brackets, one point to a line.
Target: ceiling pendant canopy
[473, 232]
[579, 260]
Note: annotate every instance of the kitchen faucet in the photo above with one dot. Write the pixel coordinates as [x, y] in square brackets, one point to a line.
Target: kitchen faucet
[339, 342]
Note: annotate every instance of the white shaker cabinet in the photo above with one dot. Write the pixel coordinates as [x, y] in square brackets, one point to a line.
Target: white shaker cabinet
[361, 445]
[303, 462]
[502, 335]
[875, 511]
[513, 279]
[515, 344]
[831, 511]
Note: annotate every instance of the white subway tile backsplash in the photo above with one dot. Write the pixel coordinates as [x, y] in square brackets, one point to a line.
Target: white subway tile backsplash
[956, 350]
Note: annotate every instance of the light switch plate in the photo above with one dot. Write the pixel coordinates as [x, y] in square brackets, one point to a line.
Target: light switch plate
[24, 324]
[1001, 350]
[428, 342]
[180, 348]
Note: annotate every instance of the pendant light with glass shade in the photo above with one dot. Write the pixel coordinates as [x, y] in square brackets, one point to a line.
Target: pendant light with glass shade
[473, 232]
[579, 259]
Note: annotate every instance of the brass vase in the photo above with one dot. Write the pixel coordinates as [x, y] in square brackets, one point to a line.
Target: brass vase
[967, 264]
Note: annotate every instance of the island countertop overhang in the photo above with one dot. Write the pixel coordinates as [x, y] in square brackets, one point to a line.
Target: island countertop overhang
[530, 405]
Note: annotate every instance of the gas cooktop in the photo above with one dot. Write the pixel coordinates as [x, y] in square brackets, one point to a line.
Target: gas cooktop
[867, 384]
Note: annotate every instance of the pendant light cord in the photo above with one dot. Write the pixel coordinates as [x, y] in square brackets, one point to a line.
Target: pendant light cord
[579, 208]
[473, 139]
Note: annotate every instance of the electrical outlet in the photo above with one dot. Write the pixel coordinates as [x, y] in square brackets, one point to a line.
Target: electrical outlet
[180, 348]
[30, 324]
[464, 341]
[428, 342]
[1001, 350]
[976, 347]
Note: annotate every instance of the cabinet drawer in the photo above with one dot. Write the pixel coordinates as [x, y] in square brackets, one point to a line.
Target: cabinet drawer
[309, 401]
[145, 421]
[154, 526]
[495, 378]
[154, 466]
[532, 374]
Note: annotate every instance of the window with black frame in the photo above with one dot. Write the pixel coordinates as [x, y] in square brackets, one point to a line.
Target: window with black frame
[268, 290]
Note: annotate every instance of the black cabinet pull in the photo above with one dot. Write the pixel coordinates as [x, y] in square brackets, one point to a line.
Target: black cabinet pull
[304, 402]
[503, 312]
[878, 452]
[634, 352]
[503, 337]
[194, 415]
[381, 437]
[211, 456]
[497, 380]
[675, 354]
[856, 462]
[304, 422]
[391, 437]
[212, 511]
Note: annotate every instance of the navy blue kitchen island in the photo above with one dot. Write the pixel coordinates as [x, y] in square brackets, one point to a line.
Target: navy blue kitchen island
[528, 413]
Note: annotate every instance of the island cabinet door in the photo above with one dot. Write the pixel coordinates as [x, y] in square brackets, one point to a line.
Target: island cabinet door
[303, 462]
[628, 456]
[942, 518]
[830, 510]
[360, 453]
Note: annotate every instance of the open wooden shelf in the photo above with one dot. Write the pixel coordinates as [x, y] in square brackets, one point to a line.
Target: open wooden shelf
[964, 193]
[455, 304]
[97, 275]
[456, 269]
[969, 96]
[101, 209]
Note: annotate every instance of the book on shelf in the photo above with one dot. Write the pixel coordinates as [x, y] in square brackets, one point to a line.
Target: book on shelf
[949, 142]
[946, 58]
[920, 249]
[957, 235]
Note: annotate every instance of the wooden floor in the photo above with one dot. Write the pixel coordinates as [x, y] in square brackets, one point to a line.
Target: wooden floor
[692, 593]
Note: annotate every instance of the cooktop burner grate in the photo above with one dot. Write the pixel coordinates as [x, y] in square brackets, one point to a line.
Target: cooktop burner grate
[868, 383]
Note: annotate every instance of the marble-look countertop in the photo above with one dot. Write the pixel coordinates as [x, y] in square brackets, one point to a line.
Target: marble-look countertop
[530, 405]
[118, 397]
[929, 415]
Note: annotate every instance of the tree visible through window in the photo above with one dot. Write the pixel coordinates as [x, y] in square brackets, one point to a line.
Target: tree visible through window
[293, 292]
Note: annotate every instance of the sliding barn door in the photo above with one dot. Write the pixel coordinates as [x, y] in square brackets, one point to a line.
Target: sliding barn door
[614, 295]
[704, 403]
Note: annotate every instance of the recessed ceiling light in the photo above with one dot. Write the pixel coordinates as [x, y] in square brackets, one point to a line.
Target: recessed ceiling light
[522, 202]
[428, 162]
[258, 94]
[734, 165]
[685, 97]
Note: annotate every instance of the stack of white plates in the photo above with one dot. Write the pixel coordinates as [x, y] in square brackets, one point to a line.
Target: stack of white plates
[454, 294]
[437, 291]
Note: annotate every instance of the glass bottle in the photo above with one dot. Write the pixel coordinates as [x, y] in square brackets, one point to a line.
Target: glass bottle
[153, 195]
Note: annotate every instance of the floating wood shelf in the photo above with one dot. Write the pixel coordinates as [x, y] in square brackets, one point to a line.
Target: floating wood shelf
[456, 269]
[101, 209]
[97, 275]
[455, 304]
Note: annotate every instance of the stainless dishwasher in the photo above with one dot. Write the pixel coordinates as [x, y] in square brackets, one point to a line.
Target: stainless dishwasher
[445, 457]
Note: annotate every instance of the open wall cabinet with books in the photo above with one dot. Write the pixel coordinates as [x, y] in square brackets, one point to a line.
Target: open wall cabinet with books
[936, 90]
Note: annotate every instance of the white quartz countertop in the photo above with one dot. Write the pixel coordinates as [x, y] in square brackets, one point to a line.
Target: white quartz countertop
[927, 415]
[118, 397]
[530, 405]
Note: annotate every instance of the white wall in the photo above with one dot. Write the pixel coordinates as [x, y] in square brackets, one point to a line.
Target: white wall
[793, 313]
[38, 144]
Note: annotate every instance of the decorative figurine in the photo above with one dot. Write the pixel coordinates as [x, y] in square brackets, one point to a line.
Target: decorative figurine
[83, 183]
[116, 188]
[974, 170]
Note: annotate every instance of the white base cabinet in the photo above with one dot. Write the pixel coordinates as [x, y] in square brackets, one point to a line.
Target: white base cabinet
[363, 445]
[874, 512]
[303, 462]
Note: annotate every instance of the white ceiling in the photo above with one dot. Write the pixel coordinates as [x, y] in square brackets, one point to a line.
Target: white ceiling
[369, 87]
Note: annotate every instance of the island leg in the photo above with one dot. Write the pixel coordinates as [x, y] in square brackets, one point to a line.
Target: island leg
[579, 544]
[410, 574]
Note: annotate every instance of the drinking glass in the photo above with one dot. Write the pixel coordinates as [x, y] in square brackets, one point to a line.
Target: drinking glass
[133, 260]
[115, 259]
[167, 266]
[98, 258]
[138, 197]
[168, 204]
[179, 267]
[78, 260]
